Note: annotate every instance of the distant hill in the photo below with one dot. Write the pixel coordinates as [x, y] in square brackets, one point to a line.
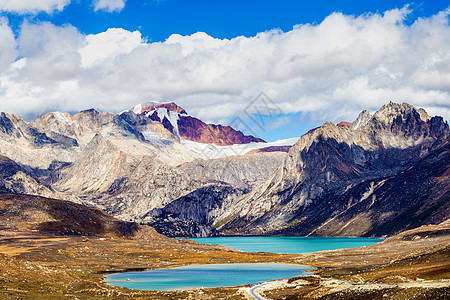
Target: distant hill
[24, 213]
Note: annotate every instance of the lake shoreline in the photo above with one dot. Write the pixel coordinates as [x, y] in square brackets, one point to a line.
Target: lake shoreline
[36, 266]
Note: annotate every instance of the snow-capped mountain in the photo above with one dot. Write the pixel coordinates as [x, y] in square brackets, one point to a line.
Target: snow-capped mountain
[126, 164]
[177, 121]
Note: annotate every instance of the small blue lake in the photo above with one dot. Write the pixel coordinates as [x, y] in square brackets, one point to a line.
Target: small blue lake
[214, 275]
[287, 244]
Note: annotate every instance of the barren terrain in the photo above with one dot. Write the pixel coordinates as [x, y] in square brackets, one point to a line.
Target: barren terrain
[41, 258]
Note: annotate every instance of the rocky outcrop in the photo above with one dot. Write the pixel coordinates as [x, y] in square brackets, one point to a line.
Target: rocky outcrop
[16, 179]
[28, 146]
[242, 171]
[222, 183]
[129, 186]
[152, 106]
[194, 214]
[329, 162]
[83, 125]
[416, 196]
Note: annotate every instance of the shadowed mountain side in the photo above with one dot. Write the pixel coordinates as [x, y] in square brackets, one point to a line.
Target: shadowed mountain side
[417, 196]
[58, 217]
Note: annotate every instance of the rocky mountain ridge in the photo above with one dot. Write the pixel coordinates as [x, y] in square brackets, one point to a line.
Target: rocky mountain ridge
[328, 163]
[351, 179]
[126, 164]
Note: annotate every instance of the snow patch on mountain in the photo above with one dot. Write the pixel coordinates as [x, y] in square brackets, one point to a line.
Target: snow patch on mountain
[171, 116]
[60, 116]
[212, 151]
[137, 109]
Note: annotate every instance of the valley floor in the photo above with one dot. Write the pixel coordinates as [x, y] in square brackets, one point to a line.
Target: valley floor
[412, 265]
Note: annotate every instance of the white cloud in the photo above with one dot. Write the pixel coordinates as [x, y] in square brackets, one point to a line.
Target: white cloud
[7, 46]
[33, 6]
[109, 5]
[332, 70]
[51, 52]
[109, 44]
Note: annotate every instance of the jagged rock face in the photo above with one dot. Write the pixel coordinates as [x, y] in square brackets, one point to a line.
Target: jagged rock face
[123, 184]
[146, 126]
[220, 184]
[176, 120]
[133, 134]
[30, 147]
[15, 179]
[417, 196]
[329, 161]
[193, 215]
[129, 186]
[238, 171]
[85, 124]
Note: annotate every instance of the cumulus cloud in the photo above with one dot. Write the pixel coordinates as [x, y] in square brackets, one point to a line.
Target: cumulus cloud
[51, 52]
[7, 46]
[331, 70]
[32, 6]
[109, 5]
[109, 44]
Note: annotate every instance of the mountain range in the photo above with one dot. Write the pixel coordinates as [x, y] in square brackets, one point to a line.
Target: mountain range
[155, 164]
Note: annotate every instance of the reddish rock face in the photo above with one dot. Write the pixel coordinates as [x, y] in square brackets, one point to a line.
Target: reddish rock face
[193, 129]
[341, 124]
[312, 130]
[196, 130]
[344, 124]
[169, 106]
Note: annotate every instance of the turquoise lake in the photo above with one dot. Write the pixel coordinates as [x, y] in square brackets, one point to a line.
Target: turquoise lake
[195, 276]
[222, 275]
[287, 244]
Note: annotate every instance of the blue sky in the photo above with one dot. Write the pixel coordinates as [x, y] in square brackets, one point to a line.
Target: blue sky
[317, 60]
[158, 19]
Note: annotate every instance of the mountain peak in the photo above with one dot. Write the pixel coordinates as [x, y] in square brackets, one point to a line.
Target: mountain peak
[391, 110]
[176, 120]
[362, 120]
[388, 113]
[154, 105]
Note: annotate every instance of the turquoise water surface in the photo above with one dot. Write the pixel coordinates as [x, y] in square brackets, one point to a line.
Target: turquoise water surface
[217, 275]
[222, 275]
[287, 244]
